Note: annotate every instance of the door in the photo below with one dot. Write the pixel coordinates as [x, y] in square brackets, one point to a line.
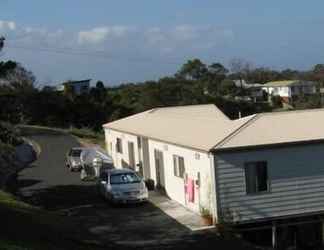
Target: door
[131, 155]
[146, 168]
[159, 168]
[103, 181]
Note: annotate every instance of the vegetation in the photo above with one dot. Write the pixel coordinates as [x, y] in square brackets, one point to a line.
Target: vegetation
[194, 83]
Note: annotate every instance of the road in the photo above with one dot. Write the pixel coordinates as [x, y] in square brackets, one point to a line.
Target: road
[47, 182]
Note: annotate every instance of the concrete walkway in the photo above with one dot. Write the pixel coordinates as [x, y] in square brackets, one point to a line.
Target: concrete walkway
[175, 210]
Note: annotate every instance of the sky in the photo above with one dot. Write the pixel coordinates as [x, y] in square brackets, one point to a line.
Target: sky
[131, 41]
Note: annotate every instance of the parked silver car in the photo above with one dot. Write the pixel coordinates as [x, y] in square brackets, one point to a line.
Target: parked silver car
[73, 159]
[122, 186]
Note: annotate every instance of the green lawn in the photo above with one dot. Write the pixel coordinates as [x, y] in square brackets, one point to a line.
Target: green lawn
[27, 227]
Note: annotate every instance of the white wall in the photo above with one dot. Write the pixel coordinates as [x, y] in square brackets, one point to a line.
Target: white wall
[118, 158]
[194, 162]
[174, 186]
[296, 176]
[281, 91]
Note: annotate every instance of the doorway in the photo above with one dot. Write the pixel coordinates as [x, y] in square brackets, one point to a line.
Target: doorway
[159, 168]
[131, 155]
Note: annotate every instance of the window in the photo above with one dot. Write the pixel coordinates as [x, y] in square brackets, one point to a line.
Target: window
[125, 178]
[256, 177]
[178, 166]
[119, 146]
[75, 152]
[139, 142]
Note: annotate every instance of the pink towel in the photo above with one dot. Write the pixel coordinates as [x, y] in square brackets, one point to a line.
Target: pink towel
[191, 190]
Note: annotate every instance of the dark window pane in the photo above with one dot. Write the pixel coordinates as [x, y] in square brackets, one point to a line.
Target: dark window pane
[256, 177]
[262, 177]
[250, 177]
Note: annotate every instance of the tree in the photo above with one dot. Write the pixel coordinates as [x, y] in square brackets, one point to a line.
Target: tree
[215, 75]
[227, 87]
[217, 69]
[318, 73]
[6, 68]
[2, 39]
[100, 85]
[192, 70]
[21, 79]
[240, 68]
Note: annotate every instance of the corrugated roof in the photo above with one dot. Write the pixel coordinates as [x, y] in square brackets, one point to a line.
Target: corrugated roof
[278, 128]
[197, 126]
[286, 83]
[205, 127]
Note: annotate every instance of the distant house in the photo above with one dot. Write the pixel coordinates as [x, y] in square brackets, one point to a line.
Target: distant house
[256, 92]
[263, 168]
[289, 89]
[78, 87]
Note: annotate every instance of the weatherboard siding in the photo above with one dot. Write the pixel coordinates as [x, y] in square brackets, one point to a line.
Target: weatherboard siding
[296, 176]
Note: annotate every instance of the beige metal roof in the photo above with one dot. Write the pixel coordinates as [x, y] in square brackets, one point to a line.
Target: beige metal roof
[197, 126]
[278, 128]
[286, 83]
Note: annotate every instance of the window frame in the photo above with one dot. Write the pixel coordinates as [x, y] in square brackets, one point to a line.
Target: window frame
[256, 165]
[177, 166]
[119, 145]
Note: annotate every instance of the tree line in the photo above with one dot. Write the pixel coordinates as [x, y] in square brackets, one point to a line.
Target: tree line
[194, 83]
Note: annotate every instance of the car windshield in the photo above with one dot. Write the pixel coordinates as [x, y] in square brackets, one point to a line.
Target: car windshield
[124, 178]
[76, 152]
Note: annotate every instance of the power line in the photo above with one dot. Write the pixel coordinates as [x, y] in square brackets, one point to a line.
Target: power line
[88, 53]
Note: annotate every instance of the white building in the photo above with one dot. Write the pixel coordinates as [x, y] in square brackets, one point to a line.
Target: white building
[290, 88]
[172, 147]
[265, 167]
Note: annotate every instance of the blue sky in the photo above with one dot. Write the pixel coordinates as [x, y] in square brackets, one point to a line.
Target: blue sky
[121, 41]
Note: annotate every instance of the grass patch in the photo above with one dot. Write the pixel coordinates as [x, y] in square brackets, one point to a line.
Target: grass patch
[27, 227]
[88, 136]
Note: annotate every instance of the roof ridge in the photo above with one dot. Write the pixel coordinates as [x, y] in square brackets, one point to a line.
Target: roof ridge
[182, 106]
[127, 117]
[293, 111]
[239, 129]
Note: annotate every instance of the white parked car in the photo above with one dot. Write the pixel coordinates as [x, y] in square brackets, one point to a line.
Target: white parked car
[73, 159]
[94, 160]
[122, 186]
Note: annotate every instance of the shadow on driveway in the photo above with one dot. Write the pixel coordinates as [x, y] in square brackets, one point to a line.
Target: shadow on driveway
[64, 197]
[26, 183]
[126, 224]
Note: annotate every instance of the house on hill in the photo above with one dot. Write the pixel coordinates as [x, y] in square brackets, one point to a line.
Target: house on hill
[78, 87]
[290, 89]
[264, 168]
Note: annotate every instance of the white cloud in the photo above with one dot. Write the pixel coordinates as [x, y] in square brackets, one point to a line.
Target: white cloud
[93, 36]
[154, 36]
[126, 44]
[7, 25]
[100, 34]
[185, 32]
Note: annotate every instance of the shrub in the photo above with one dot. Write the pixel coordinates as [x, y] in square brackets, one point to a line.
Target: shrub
[9, 135]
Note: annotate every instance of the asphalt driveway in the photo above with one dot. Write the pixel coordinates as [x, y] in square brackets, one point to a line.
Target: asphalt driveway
[48, 184]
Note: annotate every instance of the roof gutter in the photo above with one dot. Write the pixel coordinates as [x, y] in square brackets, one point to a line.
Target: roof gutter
[269, 146]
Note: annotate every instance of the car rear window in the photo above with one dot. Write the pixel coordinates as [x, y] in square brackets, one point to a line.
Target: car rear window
[124, 178]
[76, 152]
